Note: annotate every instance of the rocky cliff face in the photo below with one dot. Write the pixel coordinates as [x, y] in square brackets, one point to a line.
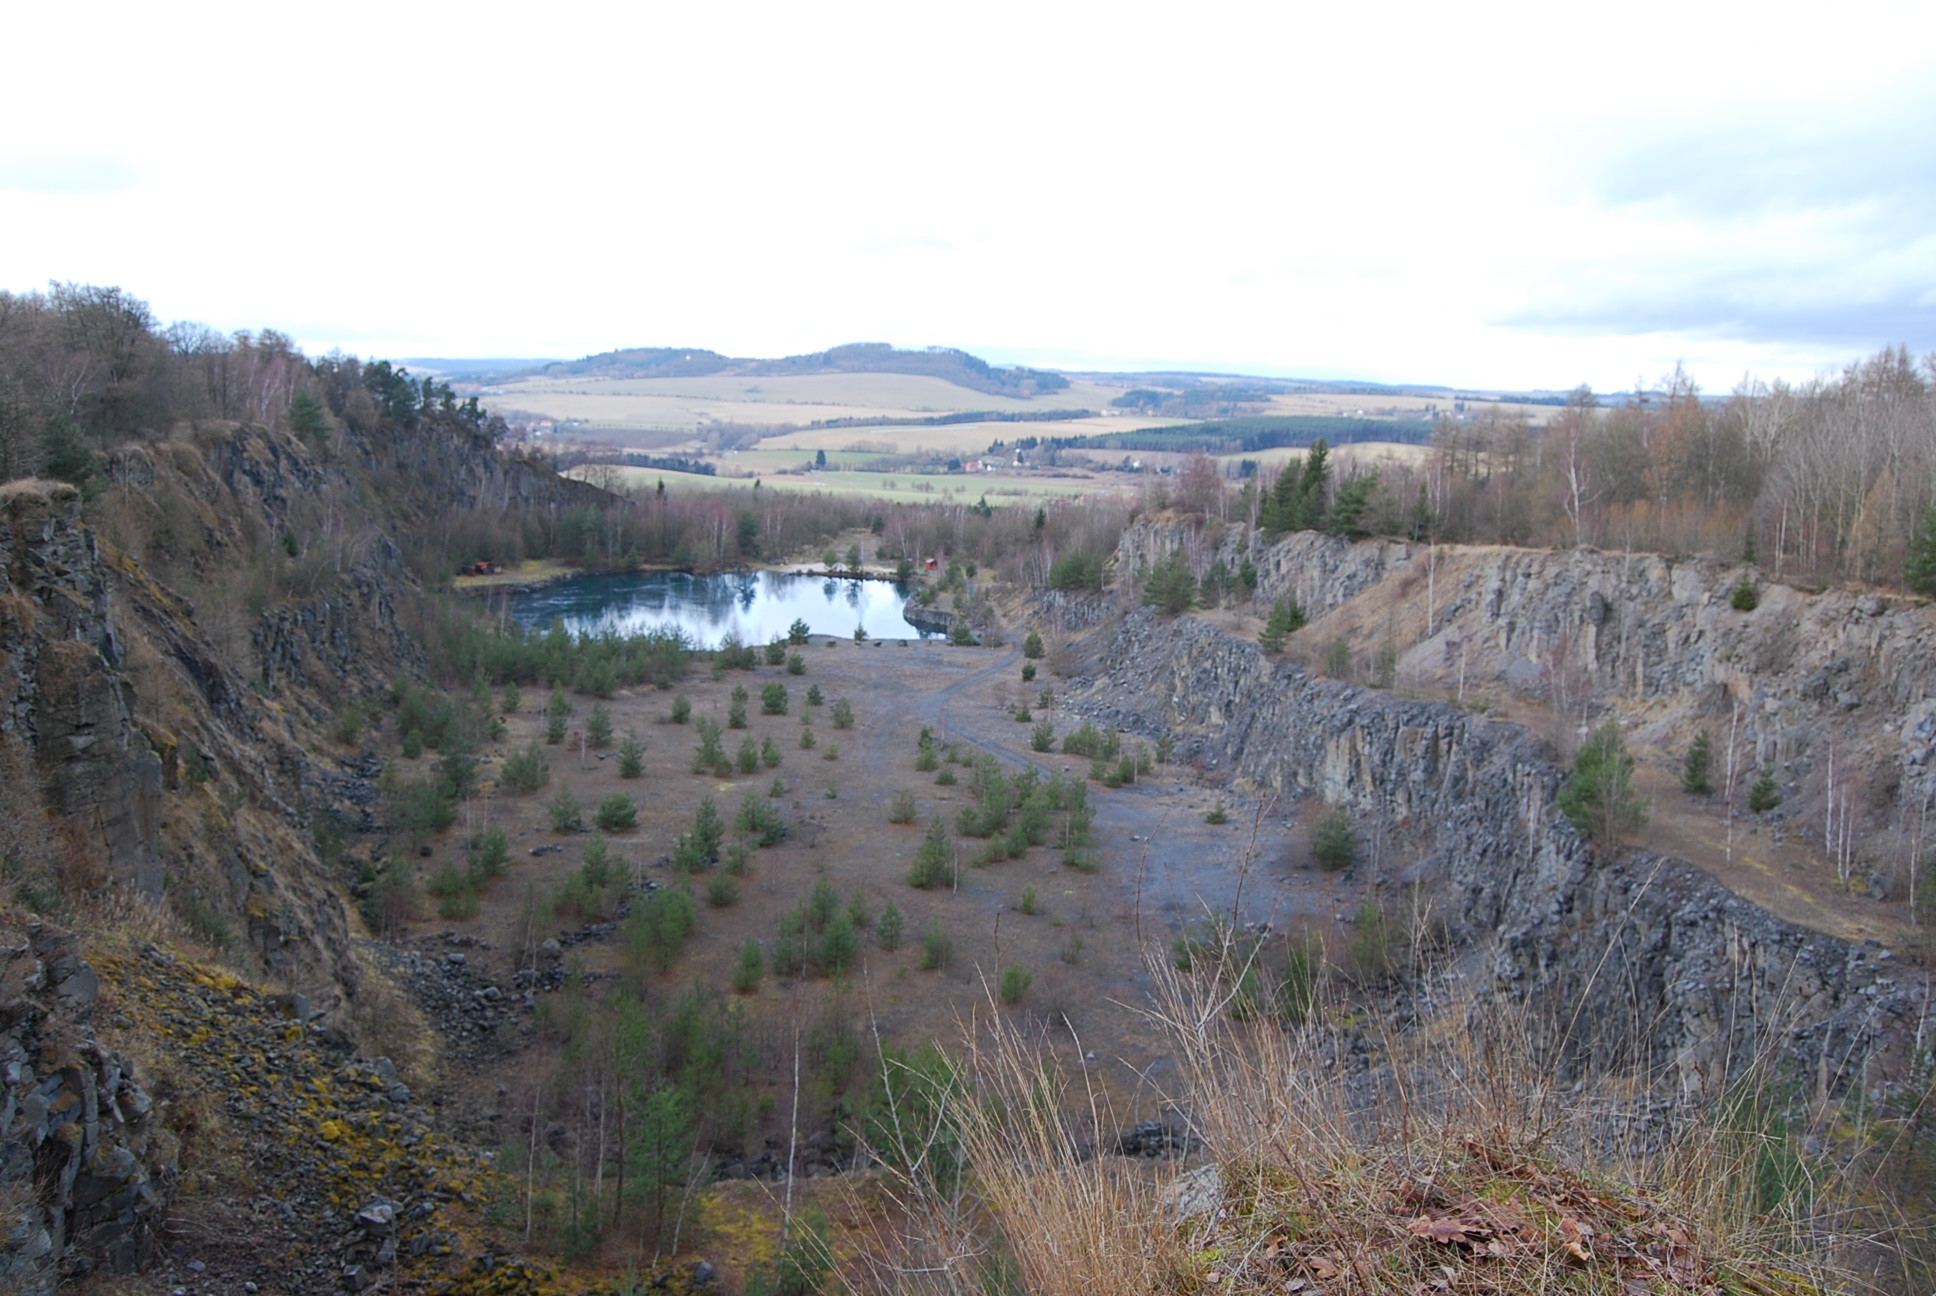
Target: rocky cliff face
[1842, 675]
[81, 1161]
[169, 683]
[1639, 959]
[68, 701]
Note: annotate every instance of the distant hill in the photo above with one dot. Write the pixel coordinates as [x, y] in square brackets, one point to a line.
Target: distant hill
[641, 362]
[947, 363]
[489, 369]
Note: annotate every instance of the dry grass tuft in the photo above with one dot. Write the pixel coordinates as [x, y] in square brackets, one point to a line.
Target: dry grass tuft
[1338, 1162]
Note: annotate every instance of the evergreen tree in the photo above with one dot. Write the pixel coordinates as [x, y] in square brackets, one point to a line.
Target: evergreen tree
[631, 757]
[1335, 843]
[1600, 797]
[659, 1146]
[1421, 527]
[1286, 619]
[1919, 567]
[930, 867]
[1697, 771]
[1280, 510]
[1347, 513]
[1309, 512]
[306, 418]
[1170, 588]
[65, 457]
[1765, 795]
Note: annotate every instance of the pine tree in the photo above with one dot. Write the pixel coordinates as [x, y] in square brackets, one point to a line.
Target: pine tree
[1919, 567]
[1170, 587]
[1697, 771]
[1348, 512]
[65, 457]
[1286, 619]
[1765, 795]
[1280, 510]
[930, 867]
[1600, 797]
[1335, 843]
[1309, 512]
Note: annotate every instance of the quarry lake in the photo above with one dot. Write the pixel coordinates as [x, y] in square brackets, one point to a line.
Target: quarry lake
[754, 607]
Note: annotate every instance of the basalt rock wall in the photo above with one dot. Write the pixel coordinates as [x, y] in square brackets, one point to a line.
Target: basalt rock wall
[169, 669]
[67, 701]
[1631, 960]
[81, 1160]
[1801, 679]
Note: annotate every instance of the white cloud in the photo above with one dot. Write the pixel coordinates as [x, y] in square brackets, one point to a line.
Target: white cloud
[1500, 194]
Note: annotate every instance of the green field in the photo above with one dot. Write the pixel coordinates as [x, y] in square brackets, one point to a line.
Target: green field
[743, 462]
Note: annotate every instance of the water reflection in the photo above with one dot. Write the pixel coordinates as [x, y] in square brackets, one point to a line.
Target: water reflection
[755, 607]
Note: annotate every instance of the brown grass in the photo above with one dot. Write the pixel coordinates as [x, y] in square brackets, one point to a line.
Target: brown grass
[1447, 1162]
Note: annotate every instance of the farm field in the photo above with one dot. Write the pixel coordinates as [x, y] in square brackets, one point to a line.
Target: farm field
[691, 403]
[911, 487]
[806, 398]
[954, 438]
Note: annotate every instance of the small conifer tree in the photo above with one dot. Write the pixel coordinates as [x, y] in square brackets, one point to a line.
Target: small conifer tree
[1697, 771]
[1600, 797]
[1919, 566]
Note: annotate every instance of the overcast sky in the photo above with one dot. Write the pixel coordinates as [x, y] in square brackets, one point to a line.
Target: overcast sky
[1478, 194]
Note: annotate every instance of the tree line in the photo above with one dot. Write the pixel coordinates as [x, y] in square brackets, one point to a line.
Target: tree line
[1829, 480]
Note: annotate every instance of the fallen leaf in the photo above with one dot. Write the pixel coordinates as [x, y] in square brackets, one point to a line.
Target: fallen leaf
[1574, 1235]
[1445, 1230]
[1321, 1269]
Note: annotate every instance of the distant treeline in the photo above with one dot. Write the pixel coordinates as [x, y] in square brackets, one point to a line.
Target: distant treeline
[947, 363]
[633, 459]
[1204, 402]
[966, 416]
[669, 463]
[1248, 435]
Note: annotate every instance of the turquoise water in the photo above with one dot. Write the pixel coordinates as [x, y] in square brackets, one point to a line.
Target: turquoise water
[755, 607]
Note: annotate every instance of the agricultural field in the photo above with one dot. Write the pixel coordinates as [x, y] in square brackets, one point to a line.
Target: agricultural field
[675, 415]
[965, 488]
[953, 439]
[691, 403]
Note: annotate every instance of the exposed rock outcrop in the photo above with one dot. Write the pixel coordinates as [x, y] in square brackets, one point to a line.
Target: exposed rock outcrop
[81, 1163]
[176, 742]
[1802, 675]
[1638, 951]
[67, 698]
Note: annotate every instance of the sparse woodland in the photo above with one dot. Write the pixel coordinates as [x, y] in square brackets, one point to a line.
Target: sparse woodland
[1829, 481]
